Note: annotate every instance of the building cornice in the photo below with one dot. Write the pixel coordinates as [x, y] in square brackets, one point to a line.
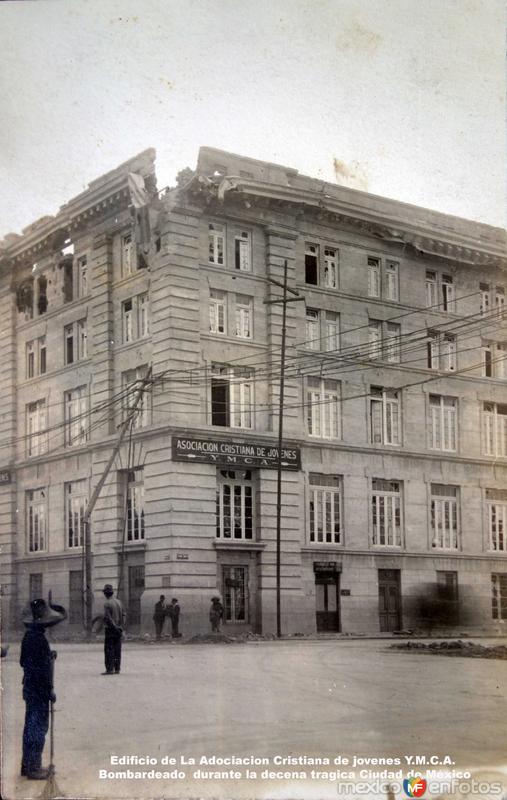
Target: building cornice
[426, 232]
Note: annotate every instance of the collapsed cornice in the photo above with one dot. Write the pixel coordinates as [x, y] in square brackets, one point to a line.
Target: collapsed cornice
[428, 232]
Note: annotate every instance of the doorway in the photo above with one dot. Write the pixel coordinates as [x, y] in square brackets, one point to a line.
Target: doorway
[327, 601]
[389, 599]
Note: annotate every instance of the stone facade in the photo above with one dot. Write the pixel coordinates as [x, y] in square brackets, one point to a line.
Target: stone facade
[395, 399]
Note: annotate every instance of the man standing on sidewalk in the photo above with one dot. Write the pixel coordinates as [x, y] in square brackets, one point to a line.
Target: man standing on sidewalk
[114, 618]
[174, 615]
[159, 615]
[37, 662]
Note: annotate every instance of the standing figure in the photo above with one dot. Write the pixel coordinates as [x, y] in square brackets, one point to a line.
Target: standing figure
[114, 618]
[173, 612]
[216, 614]
[159, 615]
[37, 662]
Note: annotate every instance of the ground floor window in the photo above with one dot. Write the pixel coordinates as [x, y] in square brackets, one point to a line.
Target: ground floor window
[499, 595]
[235, 582]
[234, 504]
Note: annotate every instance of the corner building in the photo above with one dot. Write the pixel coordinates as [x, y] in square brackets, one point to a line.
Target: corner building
[394, 501]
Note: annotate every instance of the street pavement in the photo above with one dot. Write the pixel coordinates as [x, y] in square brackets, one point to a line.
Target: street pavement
[308, 697]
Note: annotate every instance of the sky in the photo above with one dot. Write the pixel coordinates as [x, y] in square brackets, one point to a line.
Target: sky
[401, 98]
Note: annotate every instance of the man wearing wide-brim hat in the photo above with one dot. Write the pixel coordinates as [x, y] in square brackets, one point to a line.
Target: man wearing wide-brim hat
[36, 660]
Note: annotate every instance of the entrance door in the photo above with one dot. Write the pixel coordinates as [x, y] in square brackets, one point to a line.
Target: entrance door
[327, 592]
[389, 599]
[235, 580]
[136, 588]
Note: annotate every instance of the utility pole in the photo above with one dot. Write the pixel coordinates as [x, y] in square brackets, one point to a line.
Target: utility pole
[93, 499]
[283, 300]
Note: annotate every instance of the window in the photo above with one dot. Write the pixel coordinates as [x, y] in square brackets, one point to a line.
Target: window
[373, 277]
[443, 423]
[244, 316]
[235, 592]
[135, 318]
[234, 504]
[135, 505]
[232, 396]
[431, 289]
[332, 331]
[325, 501]
[499, 595]
[36, 428]
[36, 520]
[322, 330]
[383, 282]
[312, 329]
[143, 315]
[495, 429]
[76, 596]
[386, 513]
[76, 499]
[444, 517]
[35, 585]
[447, 293]
[82, 276]
[36, 357]
[312, 264]
[76, 341]
[441, 351]
[325, 275]
[216, 244]
[392, 281]
[330, 268]
[496, 510]
[440, 291]
[384, 340]
[494, 360]
[323, 408]
[42, 298]
[76, 416]
[217, 311]
[385, 422]
[128, 260]
[132, 381]
[492, 298]
[243, 251]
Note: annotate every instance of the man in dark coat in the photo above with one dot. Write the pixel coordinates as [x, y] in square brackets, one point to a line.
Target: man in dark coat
[37, 662]
[173, 613]
[114, 619]
[216, 614]
[159, 615]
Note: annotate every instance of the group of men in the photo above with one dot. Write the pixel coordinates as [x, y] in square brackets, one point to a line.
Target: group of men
[161, 612]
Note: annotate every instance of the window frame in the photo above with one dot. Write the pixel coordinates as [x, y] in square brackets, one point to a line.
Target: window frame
[35, 357]
[442, 430]
[217, 231]
[393, 512]
[237, 385]
[449, 507]
[37, 440]
[129, 389]
[387, 400]
[495, 506]
[81, 404]
[32, 503]
[244, 480]
[323, 408]
[325, 492]
[75, 504]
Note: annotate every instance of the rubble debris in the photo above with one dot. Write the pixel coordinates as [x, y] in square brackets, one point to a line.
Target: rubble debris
[456, 648]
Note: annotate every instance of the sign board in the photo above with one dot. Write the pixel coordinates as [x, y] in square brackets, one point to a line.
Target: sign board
[326, 565]
[5, 476]
[345, 592]
[233, 454]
